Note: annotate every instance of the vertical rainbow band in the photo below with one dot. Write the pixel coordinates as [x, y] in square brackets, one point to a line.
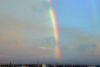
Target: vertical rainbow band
[54, 23]
[55, 29]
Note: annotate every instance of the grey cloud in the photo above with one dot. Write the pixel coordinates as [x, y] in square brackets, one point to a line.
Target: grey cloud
[81, 47]
[23, 23]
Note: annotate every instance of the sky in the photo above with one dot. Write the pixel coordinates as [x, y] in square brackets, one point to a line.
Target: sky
[26, 31]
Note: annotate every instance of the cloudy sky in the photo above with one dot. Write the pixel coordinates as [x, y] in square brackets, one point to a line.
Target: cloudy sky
[26, 33]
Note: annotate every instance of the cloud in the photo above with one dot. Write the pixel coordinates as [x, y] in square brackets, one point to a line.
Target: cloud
[79, 46]
[23, 24]
[4, 56]
[45, 48]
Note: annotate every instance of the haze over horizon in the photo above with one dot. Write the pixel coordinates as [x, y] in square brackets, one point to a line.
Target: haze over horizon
[26, 31]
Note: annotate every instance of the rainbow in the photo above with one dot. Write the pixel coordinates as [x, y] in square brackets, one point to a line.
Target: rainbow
[55, 30]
